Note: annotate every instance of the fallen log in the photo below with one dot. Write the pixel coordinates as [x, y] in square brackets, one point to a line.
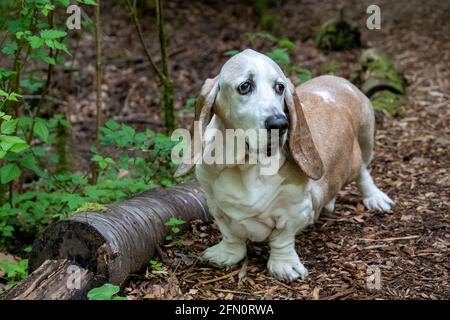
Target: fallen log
[106, 246]
[378, 78]
[54, 280]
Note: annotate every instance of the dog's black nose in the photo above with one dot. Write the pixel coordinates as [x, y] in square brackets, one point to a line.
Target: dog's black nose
[277, 121]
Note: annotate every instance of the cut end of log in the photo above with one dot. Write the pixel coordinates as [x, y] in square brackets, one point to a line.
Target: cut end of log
[73, 240]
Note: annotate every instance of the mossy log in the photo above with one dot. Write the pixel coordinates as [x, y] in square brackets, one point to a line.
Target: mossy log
[378, 78]
[118, 241]
[376, 72]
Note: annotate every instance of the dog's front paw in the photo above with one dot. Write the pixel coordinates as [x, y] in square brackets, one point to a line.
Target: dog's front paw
[378, 201]
[289, 268]
[225, 254]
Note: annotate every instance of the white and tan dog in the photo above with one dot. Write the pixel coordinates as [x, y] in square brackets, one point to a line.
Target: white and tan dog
[328, 127]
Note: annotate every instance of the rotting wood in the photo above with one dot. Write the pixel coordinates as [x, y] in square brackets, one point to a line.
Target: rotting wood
[54, 280]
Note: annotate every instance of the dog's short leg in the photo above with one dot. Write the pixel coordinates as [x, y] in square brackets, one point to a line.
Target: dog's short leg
[373, 198]
[284, 262]
[329, 208]
[229, 251]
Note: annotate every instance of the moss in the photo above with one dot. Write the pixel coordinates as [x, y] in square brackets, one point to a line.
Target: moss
[337, 35]
[91, 207]
[389, 102]
[379, 65]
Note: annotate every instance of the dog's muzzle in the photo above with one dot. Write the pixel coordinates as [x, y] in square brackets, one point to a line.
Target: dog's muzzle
[277, 122]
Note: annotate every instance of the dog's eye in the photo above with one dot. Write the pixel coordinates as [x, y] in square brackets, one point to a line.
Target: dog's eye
[245, 87]
[279, 88]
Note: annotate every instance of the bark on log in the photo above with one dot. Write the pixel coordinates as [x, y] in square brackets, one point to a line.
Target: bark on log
[111, 244]
[54, 280]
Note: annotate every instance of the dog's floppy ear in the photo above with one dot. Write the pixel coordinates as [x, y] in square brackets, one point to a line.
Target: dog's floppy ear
[203, 115]
[301, 144]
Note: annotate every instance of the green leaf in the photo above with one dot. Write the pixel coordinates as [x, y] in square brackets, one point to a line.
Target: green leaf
[52, 34]
[29, 162]
[111, 124]
[74, 201]
[47, 8]
[41, 129]
[13, 96]
[279, 55]
[175, 229]
[35, 42]
[6, 74]
[174, 222]
[88, 2]
[97, 158]
[286, 43]
[105, 292]
[18, 147]
[9, 172]
[15, 144]
[65, 3]
[28, 249]
[10, 48]
[43, 56]
[8, 127]
[61, 46]
[231, 53]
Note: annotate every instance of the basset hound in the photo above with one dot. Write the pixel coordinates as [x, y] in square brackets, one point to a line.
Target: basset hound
[326, 135]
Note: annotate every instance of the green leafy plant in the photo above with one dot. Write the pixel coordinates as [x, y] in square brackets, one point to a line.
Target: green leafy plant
[157, 269]
[105, 292]
[138, 161]
[174, 225]
[14, 272]
[337, 34]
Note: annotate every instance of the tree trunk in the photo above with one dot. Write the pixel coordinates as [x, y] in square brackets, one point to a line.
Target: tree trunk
[113, 243]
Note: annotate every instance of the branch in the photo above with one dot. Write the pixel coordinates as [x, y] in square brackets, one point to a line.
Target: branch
[133, 12]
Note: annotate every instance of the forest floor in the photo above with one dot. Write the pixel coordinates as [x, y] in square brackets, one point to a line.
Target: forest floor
[409, 246]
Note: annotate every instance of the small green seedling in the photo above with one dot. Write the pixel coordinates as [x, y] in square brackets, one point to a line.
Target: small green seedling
[157, 269]
[174, 224]
[107, 291]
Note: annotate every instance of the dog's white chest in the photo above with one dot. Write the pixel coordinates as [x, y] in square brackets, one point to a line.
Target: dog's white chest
[254, 205]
